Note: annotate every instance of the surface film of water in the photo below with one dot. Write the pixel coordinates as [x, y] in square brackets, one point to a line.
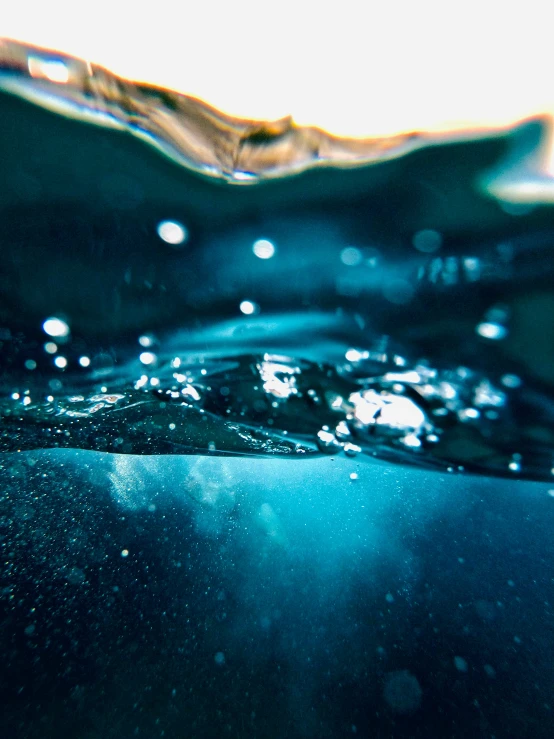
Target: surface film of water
[276, 436]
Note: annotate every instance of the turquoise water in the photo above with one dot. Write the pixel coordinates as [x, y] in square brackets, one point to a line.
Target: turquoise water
[276, 457]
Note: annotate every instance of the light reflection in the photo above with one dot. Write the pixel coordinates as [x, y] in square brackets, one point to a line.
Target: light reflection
[50, 347]
[55, 70]
[60, 362]
[84, 361]
[278, 379]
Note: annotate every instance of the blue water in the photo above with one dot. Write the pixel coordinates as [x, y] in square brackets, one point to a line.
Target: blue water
[276, 459]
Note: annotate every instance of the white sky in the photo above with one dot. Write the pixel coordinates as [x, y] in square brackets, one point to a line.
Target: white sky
[353, 67]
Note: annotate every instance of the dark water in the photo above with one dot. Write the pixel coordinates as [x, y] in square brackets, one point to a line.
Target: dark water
[289, 476]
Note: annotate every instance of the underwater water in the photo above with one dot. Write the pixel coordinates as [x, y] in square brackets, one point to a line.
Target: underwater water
[276, 438]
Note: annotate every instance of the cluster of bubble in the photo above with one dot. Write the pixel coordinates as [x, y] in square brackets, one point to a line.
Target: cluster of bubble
[384, 414]
[182, 389]
[387, 408]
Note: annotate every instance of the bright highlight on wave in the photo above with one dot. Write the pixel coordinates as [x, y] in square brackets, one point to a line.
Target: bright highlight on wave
[54, 70]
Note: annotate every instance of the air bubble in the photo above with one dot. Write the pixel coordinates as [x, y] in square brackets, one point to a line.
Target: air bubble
[342, 431]
[263, 249]
[172, 232]
[427, 240]
[55, 327]
[493, 331]
[402, 692]
[399, 291]
[351, 256]
[354, 355]
[511, 381]
[460, 664]
[248, 307]
[147, 358]
[327, 442]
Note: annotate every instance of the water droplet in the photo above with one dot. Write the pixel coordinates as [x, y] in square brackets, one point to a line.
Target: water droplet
[60, 362]
[342, 431]
[30, 364]
[351, 450]
[84, 361]
[328, 443]
[50, 347]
